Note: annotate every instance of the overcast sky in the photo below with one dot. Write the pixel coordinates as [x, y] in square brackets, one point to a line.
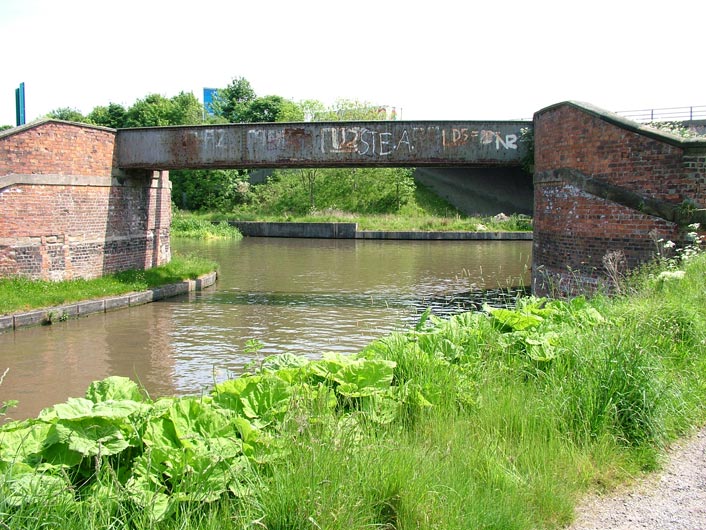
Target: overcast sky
[436, 60]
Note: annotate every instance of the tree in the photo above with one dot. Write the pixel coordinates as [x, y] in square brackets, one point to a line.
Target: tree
[186, 109]
[152, 111]
[238, 103]
[209, 189]
[344, 110]
[232, 102]
[67, 114]
[157, 110]
[113, 115]
[271, 109]
[308, 177]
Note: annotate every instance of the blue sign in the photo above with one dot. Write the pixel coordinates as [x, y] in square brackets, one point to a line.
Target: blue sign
[209, 94]
[20, 105]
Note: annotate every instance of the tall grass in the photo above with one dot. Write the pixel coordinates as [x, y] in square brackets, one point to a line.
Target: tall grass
[191, 226]
[487, 434]
[509, 442]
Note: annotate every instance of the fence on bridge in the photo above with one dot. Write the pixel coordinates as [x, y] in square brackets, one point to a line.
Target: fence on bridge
[681, 114]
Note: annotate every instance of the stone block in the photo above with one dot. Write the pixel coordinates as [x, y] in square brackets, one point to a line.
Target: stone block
[91, 306]
[7, 323]
[31, 318]
[144, 297]
[117, 302]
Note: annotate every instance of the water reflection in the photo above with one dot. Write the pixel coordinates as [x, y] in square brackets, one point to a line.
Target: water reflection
[296, 295]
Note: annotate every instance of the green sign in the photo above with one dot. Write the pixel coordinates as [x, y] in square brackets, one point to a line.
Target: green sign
[20, 105]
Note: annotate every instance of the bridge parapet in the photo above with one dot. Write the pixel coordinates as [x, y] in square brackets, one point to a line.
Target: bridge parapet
[324, 144]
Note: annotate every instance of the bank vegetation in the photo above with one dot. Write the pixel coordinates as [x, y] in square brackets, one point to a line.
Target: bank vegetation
[496, 419]
[22, 294]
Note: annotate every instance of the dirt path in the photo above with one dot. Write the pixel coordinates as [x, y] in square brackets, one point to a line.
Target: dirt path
[673, 499]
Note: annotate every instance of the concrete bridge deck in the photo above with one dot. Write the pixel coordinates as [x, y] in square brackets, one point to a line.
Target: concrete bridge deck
[324, 144]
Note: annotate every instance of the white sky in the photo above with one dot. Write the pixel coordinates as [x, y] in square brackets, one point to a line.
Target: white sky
[436, 60]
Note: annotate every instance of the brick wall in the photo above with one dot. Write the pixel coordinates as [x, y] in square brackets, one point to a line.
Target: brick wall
[575, 227]
[60, 148]
[64, 215]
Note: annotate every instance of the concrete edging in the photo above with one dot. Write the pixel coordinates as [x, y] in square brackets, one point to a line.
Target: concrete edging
[350, 231]
[446, 236]
[50, 315]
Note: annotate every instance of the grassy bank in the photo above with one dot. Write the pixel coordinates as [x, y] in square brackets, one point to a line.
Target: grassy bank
[284, 200]
[187, 225]
[21, 294]
[419, 222]
[500, 419]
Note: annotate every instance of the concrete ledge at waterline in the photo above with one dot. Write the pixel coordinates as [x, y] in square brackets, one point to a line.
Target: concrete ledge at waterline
[350, 231]
[303, 230]
[31, 318]
[91, 306]
[51, 315]
[446, 236]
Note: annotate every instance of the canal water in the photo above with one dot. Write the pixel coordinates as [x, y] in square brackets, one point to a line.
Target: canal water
[304, 296]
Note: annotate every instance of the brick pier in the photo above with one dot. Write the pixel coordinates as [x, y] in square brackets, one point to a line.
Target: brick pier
[66, 213]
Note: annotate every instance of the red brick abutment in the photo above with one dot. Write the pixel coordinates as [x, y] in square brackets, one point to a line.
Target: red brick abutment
[607, 191]
[66, 212]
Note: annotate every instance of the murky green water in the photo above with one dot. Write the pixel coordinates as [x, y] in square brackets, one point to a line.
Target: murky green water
[298, 295]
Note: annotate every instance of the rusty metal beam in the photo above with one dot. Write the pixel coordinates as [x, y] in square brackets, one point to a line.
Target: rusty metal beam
[323, 144]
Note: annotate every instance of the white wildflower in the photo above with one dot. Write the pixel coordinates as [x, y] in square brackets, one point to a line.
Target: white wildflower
[671, 275]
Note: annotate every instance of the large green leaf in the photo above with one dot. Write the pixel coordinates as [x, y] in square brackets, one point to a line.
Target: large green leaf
[194, 419]
[112, 389]
[23, 439]
[364, 377]
[354, 373]
[92, 437]
[81, 408]
[509, 320]
[34, 488]
[262, 398]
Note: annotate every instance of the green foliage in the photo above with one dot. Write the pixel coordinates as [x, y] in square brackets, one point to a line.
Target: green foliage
[187, 225]
[20, 294]
[455, 423]
[180, 450]
[232, 101]
[343, 110]
[363, 190]
[238, 103]
[157, 110]
[215, 189]
[67, 114]
[114, 116]
[673, 127]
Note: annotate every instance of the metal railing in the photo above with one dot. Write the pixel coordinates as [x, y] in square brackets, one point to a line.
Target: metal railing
[668, 114]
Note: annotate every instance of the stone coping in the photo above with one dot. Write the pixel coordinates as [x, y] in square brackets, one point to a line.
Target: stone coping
[51, 315]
